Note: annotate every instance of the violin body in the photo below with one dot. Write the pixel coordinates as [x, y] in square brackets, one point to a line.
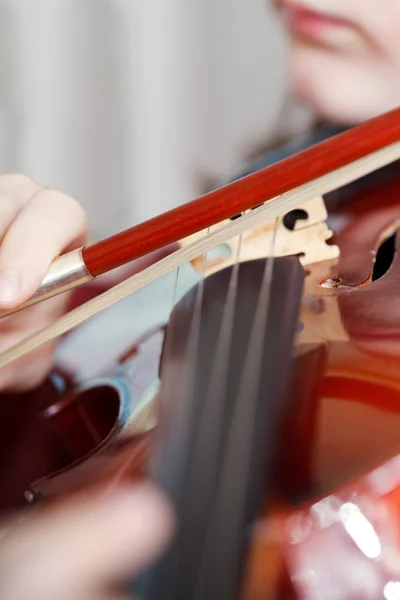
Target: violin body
[357, 366]
[94, 419]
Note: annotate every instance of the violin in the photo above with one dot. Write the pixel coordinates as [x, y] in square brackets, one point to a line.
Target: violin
[250, 367]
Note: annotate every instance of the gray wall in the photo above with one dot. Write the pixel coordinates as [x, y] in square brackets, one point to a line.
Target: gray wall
[131, 105]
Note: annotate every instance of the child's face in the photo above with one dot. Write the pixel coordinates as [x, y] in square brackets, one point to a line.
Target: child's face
[345, 55]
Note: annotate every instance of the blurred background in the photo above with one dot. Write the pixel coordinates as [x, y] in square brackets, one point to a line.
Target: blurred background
[135, 106]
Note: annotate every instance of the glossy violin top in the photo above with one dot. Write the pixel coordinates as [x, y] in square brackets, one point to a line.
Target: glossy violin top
[242, 376]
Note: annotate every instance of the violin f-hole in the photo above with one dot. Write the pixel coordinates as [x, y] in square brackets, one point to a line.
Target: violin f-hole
[384, 257]
[291, 218]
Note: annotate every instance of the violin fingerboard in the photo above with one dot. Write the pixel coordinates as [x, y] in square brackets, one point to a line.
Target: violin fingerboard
[225, 381]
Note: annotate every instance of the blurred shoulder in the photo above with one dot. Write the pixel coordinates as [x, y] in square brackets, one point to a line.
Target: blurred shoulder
[297, 144]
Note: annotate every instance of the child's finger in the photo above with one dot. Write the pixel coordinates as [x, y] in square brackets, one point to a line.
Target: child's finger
[48, 224]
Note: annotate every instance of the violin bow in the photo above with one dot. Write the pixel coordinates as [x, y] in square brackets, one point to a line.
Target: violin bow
[275, 190]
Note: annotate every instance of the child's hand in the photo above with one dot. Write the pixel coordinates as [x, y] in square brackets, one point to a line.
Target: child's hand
[36, 225]
[84, 549]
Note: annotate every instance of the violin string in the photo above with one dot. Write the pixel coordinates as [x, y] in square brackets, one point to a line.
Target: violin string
[184, 392]
[206, 442]
[119, 474]
[180, 377]
[175, 290]
[202, 274]
[194, 331]
[270, 261]
[210, 422]
[203, 470]
[238, 447]
[204, 259]
[90, 424]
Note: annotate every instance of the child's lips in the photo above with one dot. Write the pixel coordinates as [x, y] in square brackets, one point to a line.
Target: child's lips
[309, 22]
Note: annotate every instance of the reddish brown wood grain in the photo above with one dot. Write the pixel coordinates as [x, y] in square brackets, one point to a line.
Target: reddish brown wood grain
[243, 194]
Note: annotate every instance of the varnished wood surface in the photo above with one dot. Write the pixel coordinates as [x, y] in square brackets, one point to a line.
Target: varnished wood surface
[358, 412]
[243, 194]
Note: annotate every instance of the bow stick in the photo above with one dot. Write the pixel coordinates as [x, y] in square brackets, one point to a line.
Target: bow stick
[278, 189]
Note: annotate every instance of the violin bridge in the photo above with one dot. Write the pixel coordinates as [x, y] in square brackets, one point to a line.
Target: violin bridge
[302, 232]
